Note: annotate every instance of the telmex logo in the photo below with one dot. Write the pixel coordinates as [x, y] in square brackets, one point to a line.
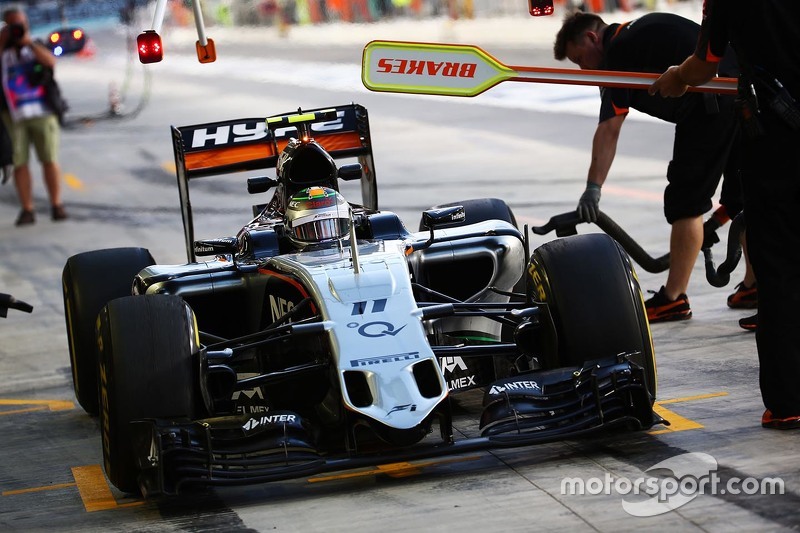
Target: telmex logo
[427, 68]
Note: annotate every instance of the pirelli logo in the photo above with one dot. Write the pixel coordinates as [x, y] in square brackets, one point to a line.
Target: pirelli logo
[369, 361]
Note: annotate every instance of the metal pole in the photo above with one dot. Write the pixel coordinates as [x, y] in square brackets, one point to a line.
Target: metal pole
[158, 17]
[198, 21]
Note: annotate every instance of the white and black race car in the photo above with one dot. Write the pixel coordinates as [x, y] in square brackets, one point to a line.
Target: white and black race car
[325, 335]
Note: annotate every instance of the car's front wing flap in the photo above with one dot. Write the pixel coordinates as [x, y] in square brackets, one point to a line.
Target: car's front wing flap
[251, 449]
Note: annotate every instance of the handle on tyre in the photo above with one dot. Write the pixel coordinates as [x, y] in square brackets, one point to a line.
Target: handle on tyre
[719, 277]
[564, 225]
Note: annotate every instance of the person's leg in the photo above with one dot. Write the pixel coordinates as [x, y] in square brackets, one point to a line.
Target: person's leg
[24, 185]
[684, 247]
[45, 137]
[772, 187]
[52, 180]
[22, 176]
[749, 275]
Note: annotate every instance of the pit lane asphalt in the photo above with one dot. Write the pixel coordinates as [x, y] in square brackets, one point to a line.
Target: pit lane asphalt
[119, 195]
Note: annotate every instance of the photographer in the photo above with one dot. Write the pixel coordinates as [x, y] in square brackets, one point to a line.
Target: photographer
[26, 115]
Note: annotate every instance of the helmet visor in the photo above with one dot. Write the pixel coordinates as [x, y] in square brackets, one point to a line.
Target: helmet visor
[321, 230]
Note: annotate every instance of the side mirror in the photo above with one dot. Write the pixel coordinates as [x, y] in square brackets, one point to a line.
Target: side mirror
[225, 245]
[437, 217]
[261, 184]
[350, 172]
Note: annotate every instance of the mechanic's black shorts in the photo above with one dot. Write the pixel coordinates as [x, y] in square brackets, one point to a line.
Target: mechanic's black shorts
[701, 153]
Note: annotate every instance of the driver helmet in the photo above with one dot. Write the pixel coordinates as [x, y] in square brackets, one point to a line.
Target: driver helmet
[317, 215]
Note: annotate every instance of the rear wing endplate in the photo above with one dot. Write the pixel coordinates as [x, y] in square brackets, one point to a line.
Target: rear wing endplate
[240, 145]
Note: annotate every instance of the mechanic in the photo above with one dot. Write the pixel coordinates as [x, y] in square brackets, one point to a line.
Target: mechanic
[27, 117]
[770, 90]
[705, 130]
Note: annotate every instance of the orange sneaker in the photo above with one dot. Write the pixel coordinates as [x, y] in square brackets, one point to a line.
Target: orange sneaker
[660, 309]
[744, 298]
[770, 421]
[750, 323]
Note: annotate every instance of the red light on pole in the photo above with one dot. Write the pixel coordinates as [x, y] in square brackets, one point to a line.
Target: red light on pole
[540, 8]
[151, 50]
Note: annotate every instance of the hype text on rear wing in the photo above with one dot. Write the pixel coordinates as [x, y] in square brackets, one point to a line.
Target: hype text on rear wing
[240, 145]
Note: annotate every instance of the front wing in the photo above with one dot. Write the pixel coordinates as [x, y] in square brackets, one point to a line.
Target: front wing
[534, 408]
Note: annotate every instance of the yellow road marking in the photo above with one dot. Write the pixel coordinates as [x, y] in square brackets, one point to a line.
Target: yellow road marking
[398, 470]
[676, 421]
[37, 405]
[94, 490]
[95, 493]
[693, 398]
[56, 486]
[72, 181]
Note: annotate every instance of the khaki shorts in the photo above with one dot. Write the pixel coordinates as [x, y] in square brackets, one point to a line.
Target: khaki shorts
[44, 133]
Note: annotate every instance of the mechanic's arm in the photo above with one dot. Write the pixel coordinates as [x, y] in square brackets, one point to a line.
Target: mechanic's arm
[604, 148]
[677, 79]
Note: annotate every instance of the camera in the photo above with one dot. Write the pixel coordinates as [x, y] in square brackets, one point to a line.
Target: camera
[15, 32]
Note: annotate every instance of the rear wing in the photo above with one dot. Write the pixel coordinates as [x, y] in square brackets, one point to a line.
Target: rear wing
[240, 145]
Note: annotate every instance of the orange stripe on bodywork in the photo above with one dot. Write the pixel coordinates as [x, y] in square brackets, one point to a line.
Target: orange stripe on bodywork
[340, 141]
[227, 156]
[231, 155]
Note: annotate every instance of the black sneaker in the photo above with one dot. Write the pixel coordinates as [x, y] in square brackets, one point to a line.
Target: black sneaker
[750, 323]
[25, 218]
[58, 213]
[744, 298]
[660, 309]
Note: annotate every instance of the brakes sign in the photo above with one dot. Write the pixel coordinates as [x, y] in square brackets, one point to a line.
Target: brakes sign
[440, 69]
[466, 70]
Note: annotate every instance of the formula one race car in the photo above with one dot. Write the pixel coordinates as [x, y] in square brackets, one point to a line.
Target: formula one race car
[325, 335]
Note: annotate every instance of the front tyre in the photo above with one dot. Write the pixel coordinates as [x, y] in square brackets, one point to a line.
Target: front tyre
[89, 281]
[148, 368]
[595, 303]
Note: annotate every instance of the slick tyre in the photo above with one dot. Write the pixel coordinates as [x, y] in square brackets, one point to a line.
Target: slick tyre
[594, 303]
[148, 368]
[479, 210]
[90, 280]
